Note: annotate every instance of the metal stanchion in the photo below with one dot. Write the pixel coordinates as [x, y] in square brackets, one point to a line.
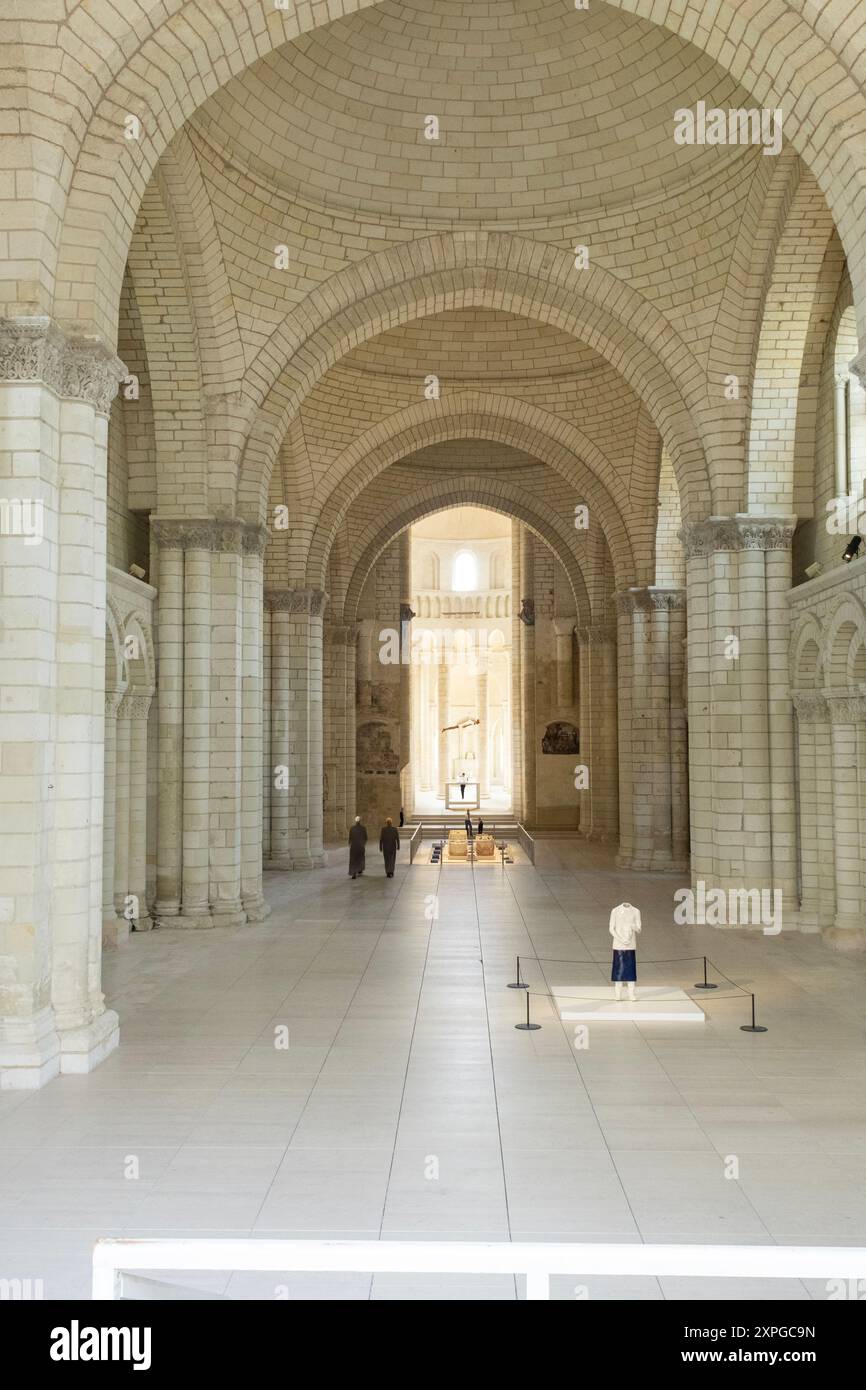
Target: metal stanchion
[527, 1027]
[705, 984]
[752, 1027]
[518, 983]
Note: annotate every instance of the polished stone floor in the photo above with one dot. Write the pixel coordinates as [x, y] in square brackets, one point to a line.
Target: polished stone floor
[407, 1105]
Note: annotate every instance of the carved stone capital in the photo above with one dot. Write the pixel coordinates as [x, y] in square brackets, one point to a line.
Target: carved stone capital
[406, 613]
[206, 533]
[649, 600]
[811, 707]
[858, 367]
[310, 601]
[135, 705]
[847, 708]
[37, 349]
[255, 538]
[736, 533]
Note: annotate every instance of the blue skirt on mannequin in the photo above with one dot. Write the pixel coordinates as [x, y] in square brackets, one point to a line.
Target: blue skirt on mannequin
[624, 967]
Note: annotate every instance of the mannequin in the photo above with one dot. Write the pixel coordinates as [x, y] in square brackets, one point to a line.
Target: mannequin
[624, 928]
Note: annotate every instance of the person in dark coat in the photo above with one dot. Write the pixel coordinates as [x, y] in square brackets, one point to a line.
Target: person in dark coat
[401, 818]
[467, 824]
[357, 848]
[389, 843]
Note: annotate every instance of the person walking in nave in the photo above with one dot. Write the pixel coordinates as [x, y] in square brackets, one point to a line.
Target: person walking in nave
[389, 843]
[357, 848]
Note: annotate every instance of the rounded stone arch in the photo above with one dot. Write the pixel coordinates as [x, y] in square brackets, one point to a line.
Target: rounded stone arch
[163, 64]
[491, 270]
[473, 415]
[844, 637]
[475, 490]
[140, 668]
[796, 295]
[805, 654]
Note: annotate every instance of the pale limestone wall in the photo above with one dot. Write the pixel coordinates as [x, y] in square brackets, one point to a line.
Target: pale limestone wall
[304, 388]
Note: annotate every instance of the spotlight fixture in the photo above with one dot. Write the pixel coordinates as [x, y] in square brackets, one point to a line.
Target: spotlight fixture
[136, 571]
[852, 547]
[814, 569]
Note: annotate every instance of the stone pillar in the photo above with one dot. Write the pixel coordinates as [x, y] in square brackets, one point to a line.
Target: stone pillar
[741, 737]
[652, 731]
[210, 720]
[340, 729]
[812, 712]
[296, 661]
[564, 638]
[115, 930]
[139, 708]
[443, 693]
[169, 856]
[527, 672]
[121, 804]
[266, 775]
[253, 902]
[55, 396]
[599, 807]
[848, 932]
[840, 421]
[484, 740]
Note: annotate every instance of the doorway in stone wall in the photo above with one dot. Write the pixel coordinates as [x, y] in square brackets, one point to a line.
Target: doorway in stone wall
[461, 662]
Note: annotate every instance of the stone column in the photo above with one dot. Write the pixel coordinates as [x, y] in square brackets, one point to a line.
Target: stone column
[848, 932]
[169, 856]
[255, 908]
[651, 734]
[113, 933]
[55, 396]
[564, 638]
[484, 740]
[443, 692]
[340, 640]
[139, 708]
[527, 672]
[281, 790]
[121, 805]
[812, 711]
[195, 839]
[599, 808]
[741, 737]
[266, 777]
[296, 661]
[840, 422]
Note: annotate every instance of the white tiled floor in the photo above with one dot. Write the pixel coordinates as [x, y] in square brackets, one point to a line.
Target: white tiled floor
[403, 1052]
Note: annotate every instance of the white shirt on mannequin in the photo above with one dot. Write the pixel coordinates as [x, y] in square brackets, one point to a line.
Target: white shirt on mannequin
[624, 927]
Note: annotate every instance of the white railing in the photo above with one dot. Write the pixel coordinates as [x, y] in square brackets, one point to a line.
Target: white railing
[115, 1261]
[526, 842]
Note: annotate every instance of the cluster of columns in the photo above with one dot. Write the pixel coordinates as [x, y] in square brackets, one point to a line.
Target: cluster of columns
[210, 723]
[598, 789]
[652, 729]
[741, 737]
[295, 758]
[831, 758]
[55, 397]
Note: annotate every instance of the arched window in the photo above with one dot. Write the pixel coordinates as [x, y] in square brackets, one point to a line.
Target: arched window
[464, 576]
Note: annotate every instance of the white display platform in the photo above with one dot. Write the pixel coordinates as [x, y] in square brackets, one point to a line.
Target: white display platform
[654, 1004]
